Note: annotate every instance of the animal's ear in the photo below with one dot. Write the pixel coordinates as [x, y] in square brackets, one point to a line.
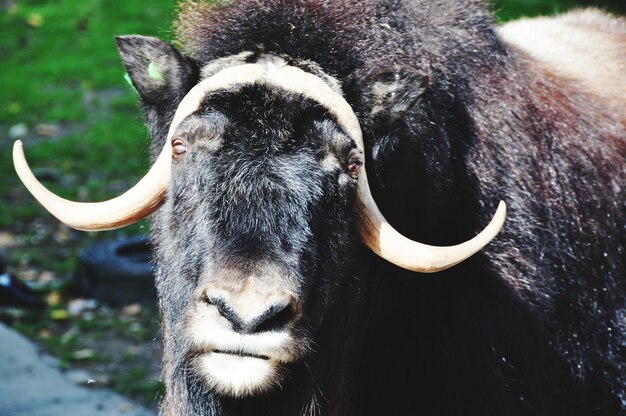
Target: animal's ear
[156, 69]
[396, 89]
[161, 75]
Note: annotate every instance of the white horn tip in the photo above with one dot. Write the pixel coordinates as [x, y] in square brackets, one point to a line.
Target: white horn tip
[18, 155]
[449, 256]
[18, 148]
[20, 164]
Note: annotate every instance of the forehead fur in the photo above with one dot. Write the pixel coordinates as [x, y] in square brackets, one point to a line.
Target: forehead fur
[259, 120]
[260, 175]
[276, 74]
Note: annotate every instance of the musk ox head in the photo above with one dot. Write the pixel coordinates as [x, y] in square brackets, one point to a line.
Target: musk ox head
[264, 198]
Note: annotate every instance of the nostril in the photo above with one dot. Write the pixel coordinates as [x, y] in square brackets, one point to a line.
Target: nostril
[226, 311]
[260, 312]
[276, 317]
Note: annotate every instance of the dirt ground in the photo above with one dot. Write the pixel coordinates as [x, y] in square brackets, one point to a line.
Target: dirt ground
[97, 345]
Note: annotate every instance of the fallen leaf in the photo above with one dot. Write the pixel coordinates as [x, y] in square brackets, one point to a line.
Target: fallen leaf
[76, 307]
[54, 298]
[48, 129]
[84, 354]
[59, 314]
[133, 309]
[46, 277]
[35, 20]
[7, 240]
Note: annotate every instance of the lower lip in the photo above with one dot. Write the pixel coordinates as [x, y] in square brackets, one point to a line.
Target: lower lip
[236, 374]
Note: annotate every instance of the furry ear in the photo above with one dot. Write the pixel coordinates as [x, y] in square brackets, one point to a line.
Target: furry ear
[395, 90]
[157, 70]
[161, 75]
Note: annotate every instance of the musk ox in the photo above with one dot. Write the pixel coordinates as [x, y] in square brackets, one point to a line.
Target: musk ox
[283, 289]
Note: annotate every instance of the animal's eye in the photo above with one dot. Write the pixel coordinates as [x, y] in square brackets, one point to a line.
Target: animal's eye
[354, 168]
[179, 147]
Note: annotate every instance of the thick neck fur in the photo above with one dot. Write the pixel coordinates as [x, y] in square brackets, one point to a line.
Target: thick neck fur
[535, 323]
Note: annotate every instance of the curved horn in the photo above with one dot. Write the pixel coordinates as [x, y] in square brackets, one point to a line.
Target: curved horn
[149, 193]
[136, 203]
[385, 241]
[376, 232]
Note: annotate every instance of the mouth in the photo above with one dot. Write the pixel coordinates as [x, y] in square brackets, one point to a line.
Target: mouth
[238, 373]
[241, 354]
[239, 365]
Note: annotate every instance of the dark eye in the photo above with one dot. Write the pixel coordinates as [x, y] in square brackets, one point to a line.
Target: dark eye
[179, 147]
[354, 168]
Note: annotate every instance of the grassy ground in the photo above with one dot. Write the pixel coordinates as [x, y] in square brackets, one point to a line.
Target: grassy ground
[60, 68]
[64, 94]
[63, 87]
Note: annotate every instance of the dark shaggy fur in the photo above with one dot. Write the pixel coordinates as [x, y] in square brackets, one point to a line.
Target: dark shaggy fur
[454, 120]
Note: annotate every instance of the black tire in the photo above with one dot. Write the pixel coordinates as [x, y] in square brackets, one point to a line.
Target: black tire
[117, 272]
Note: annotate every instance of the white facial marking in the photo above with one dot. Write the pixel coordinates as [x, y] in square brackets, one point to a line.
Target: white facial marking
[236, 364]
[237, 375]
[330, 162]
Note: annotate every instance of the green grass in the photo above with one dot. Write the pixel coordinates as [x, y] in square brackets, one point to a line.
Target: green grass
[54, 52]
[136, 382]
[60, 65]
[512, 9]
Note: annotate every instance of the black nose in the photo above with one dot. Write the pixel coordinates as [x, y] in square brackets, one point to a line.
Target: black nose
[252, 317]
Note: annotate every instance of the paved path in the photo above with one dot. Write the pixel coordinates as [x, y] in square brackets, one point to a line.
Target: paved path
[31, 387]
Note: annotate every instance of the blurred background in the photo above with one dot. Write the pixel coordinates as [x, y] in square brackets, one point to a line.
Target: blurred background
[63, 93]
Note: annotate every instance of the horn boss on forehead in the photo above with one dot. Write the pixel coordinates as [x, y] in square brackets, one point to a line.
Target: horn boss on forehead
[149, 192]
